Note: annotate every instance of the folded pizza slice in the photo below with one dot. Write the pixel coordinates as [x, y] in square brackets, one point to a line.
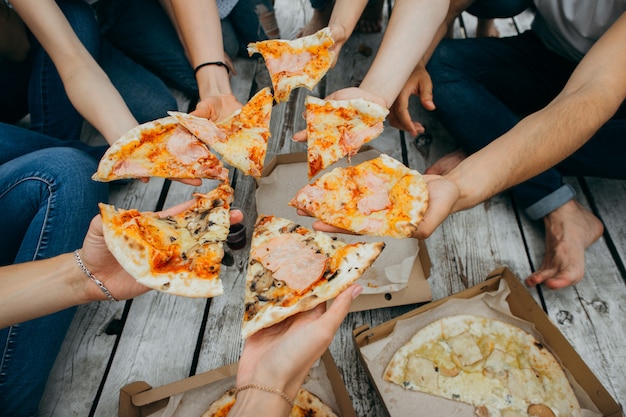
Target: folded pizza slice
[338, 128]
[301, 62]
[293, 269]
[495, 366]
[241, 139]
[160, 148]
[379, 197]
[179, 254]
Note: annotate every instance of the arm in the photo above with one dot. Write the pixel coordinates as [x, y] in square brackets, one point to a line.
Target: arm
[200, 28]
[411, 28]
[343, 20]
[408, 35]
[82, 76]
[281, 356]
[590, 98]
[34, 289]
[419, 82]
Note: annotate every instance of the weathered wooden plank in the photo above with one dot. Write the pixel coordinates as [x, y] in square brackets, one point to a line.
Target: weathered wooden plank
[82, 362]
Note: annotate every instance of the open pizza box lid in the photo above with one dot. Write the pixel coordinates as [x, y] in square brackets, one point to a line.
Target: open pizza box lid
[397, 277]
[376, 346]
[193, 396]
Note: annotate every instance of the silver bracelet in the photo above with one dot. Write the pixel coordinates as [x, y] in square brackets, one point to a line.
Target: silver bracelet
[92, 276]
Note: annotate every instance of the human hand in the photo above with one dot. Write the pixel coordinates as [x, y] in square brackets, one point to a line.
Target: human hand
[99, 260]
[281, 356]
[419, 84]
[217, 107]
[345, 94]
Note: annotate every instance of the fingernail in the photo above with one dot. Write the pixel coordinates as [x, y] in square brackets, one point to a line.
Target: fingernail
[356, 291]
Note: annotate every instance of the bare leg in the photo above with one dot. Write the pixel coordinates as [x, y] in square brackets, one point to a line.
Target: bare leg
[570, 230]
[371, 20]
[318, 21]
[486, 28]
[446, 163]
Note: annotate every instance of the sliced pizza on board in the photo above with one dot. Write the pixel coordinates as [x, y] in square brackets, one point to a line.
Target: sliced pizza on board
[378, 197]
[301, 62]
[495, 366]
[338, 128]
[179, 254]
[306, 404]
[241, 139]
[160, 148]
[293, 269]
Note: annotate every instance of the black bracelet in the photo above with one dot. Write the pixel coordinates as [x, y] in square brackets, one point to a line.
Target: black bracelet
[218, 63]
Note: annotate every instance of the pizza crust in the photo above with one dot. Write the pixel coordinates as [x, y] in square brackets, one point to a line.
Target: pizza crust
[159, 148]
[379, 197]
[179, 254]
[301, 62]
[339, 128]
[269, 301]
[495, 366]
[241, 139]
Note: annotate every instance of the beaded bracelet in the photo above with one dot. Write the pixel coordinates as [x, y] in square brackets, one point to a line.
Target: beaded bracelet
[266, 389]
[218, 63]
[92, 276]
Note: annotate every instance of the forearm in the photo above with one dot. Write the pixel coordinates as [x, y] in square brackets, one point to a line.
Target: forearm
[35, 289]
[535, 144]
[343, 20]
[201, 32]
[590, 98]
[87, 86]
[410, 31]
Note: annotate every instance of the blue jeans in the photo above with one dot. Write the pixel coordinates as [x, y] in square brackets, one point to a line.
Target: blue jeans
[52, 113]
[47, 200]
[242, 26]
[482, 87]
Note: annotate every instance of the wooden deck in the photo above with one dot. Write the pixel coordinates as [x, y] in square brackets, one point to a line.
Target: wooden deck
[160, 338]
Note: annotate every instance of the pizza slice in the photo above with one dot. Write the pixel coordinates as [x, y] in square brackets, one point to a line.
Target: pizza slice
[495, 366]
[241, 139]
[338, 128]
[293, 269]
[306, 404]
[160, 148]
[379, 197]
[301, 62]
[179, 254]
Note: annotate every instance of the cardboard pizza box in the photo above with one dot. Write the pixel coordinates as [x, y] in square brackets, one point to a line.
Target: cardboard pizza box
[188, 396]
[399, 275]
[522, 307]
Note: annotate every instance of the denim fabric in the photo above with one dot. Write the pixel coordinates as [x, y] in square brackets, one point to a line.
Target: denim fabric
[142, 31]
[47, 200]
[242, 26]
[491, 9]
[482, 87]
[51, 111]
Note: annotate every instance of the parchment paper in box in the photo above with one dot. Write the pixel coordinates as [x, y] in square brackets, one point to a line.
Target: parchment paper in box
[393, 268]
[196, 401]
[401, 402]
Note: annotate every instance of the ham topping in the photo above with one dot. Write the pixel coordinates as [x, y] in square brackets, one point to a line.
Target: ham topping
[352, 140]
[291, 261]
[288, 63]
[185, 147]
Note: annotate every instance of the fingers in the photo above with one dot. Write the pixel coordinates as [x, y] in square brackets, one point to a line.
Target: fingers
[300, 136]
[340, 307]
[236, 216]
[324, 227]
